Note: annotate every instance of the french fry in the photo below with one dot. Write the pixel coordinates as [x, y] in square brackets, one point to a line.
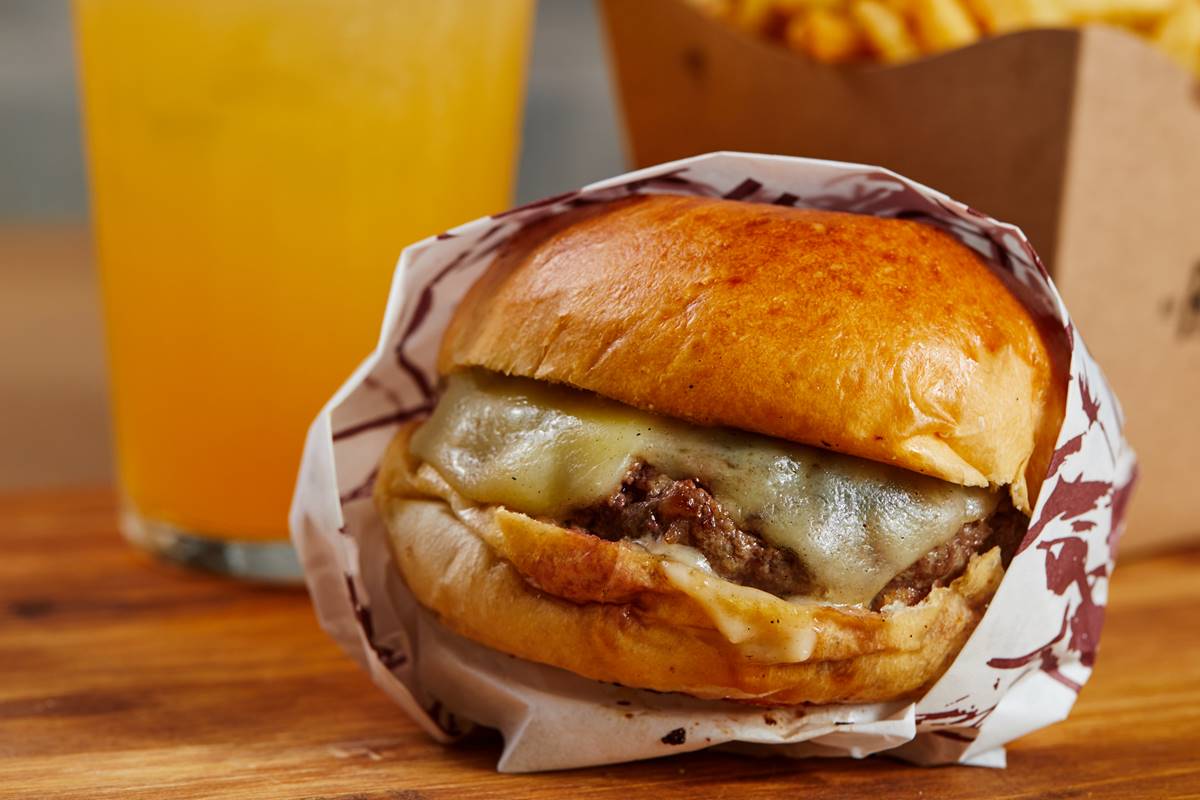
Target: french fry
[943, 25]
[892, 31]
[1002, 16]
[1046, 14]
[902, 7]
[1178, 35]
[829, 37]
[886, 33]
[753, 15]
[1130, 13]
[792, 7]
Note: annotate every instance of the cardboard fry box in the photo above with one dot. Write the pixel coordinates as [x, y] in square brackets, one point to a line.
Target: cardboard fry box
[1088, 139]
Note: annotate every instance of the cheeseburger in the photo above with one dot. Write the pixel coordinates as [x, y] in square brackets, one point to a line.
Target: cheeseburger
[735, 450]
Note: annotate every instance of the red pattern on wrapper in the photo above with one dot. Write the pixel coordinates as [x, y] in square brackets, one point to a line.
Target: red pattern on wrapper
[1020, 670]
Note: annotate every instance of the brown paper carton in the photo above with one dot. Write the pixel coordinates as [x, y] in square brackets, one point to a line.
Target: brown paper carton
[1088, 139]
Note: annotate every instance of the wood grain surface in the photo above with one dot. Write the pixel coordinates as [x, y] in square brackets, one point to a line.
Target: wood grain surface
[53, 389]
[124, 677]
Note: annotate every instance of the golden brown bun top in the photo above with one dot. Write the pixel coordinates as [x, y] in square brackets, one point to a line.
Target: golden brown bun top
[880, 338]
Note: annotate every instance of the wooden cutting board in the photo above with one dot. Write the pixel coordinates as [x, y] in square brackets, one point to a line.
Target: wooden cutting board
[124, 677]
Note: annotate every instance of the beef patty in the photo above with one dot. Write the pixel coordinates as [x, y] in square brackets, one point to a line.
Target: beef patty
[649, 503]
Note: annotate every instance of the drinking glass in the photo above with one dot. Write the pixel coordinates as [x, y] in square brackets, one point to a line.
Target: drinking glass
[256, 167]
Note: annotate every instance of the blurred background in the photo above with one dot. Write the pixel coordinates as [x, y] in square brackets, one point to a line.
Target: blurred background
[53, 405]
[1079, 131]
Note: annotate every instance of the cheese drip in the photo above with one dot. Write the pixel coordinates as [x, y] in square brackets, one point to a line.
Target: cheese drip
[544, 450]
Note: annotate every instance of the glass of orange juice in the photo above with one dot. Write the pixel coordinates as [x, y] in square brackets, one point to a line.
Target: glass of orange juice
[256, 167]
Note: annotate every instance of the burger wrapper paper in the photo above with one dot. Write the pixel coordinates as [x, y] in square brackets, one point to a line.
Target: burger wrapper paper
[1021, 669]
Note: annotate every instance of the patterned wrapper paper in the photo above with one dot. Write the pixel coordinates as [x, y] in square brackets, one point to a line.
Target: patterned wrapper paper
[1021, 669]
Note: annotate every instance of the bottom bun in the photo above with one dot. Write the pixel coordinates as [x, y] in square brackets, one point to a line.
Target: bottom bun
[614, 611]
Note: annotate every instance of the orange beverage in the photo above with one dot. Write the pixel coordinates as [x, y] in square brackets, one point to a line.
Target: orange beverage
[256, 168]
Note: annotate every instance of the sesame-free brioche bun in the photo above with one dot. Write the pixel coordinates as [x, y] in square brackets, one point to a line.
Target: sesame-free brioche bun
[878, 338]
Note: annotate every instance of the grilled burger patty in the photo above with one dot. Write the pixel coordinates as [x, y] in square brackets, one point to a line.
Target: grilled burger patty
[790, 519]
[650, 504]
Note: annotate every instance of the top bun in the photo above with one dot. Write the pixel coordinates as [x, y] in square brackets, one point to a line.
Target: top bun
[879, 338]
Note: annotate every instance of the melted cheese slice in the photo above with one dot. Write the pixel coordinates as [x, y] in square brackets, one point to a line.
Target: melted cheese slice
[544, 450]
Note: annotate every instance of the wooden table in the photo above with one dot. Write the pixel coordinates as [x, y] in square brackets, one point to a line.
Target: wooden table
[53, 394]
[123, 677]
